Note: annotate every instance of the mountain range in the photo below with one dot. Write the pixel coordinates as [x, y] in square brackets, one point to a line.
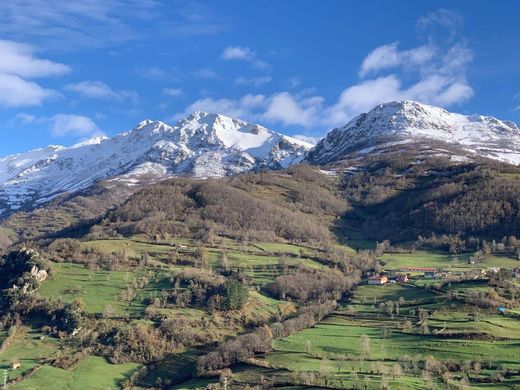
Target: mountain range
[201, 145]
[211, 145]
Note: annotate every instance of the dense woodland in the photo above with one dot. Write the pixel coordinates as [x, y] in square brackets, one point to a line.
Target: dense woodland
[296, 206]
[396, 200]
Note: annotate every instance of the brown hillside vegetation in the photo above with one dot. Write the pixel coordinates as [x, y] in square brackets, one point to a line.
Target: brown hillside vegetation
[399, 201]
[297, 205]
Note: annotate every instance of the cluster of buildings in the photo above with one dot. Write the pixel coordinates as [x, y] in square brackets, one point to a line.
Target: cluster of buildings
[402, 275]
[379, 280]
[428, 273]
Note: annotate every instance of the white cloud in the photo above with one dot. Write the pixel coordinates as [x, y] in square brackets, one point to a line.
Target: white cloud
[432, 73]
[388, 56]
[174, 92]
[76, 125]
[362, 97]
[281, 107]
[241, 108]
[244, 54]
[18, 64]
[438, 77]
[253, 81]
[285, 108]
[18, 59]
[99, 90]
[238, 53]
[17, 92]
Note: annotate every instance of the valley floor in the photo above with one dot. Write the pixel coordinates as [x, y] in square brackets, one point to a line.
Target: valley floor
[404, 335]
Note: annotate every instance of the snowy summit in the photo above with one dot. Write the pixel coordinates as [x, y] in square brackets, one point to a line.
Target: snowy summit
[402, 122]
[201, 145]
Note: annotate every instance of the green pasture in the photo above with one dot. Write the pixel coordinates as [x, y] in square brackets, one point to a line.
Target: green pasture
[445, 261]
[91, 373]
[28, 349]
[96, 288]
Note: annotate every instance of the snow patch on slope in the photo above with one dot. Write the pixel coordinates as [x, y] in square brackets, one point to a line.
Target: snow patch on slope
[401, 122]
[201, 145]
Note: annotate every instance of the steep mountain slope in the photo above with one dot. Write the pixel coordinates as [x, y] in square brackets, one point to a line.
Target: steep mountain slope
[395, 125]
[201, 145]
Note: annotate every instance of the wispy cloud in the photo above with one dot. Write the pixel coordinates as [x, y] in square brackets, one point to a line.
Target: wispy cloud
[60, 125]
[99, 90]
[173, 92]
[152, 73]
[205, 73]
[79, 24]
[18, 63]
[441, 24]
[253, 81]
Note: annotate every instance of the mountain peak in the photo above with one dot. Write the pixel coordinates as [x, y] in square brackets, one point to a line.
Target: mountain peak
[201, 145]
[399, 122]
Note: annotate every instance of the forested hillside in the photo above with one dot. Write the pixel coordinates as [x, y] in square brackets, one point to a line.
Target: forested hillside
[197, 283]
[397, 200]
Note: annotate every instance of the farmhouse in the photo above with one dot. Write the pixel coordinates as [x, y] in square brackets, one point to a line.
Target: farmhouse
[377, 280]
[15, 366]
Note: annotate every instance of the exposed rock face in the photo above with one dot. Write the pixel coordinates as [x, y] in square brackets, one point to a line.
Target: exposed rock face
[39, 274]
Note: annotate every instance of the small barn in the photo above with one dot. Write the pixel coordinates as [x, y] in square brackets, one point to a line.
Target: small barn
[377, 280]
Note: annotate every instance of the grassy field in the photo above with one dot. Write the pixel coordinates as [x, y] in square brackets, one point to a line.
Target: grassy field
[333, 346]
[443, 260]
[346, 333]
[339, 336]
[336, 347]
[276, 247]
[29, 350]
[91, 373]
[96, 288]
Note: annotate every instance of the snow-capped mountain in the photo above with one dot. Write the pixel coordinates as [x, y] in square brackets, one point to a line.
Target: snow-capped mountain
[397, 124]
[201, 145]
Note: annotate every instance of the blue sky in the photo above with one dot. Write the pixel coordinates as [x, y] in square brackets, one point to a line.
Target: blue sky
[73, 69]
